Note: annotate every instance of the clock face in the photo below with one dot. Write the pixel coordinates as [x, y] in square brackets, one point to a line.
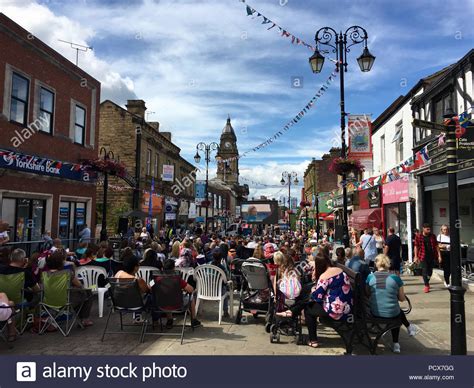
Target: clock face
[228, 144]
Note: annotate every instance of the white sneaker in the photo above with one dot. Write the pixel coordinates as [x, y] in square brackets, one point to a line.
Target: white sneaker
[396, 347]
[446, 285]
[413, 330]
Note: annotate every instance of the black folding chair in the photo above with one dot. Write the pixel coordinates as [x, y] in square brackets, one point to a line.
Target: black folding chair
[168, 298]
[126, 299]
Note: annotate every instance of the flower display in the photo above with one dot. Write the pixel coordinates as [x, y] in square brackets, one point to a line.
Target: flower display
[109, 166]
[342, 166]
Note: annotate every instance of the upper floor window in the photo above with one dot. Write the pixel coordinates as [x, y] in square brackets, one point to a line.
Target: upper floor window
[382, 153]
[440, 104]
[398, 140]
[80, 125]
[157, 165]
[46, 110]
[19, 99]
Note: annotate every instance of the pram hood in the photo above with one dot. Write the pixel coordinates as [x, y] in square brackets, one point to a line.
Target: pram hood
[256, 274]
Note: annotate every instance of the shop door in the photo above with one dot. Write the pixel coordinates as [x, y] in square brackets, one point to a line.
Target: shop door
[72, 219]
[29, 219]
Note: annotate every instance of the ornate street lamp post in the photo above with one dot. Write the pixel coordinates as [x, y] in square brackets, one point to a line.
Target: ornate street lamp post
[340, 44]
[286, 179]
[207, 149]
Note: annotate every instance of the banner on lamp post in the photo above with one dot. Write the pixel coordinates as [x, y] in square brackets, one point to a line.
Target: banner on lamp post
[168, 173]
[360, 136]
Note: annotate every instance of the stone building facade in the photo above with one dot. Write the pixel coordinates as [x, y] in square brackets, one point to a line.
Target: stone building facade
[150, 157]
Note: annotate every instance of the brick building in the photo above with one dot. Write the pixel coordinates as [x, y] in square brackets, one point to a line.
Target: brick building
[49, 122]
[148, 154]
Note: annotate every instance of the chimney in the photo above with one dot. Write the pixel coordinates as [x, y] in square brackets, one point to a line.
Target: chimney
[136, 107]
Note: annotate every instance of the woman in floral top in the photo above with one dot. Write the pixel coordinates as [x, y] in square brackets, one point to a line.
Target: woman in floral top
[330, 297]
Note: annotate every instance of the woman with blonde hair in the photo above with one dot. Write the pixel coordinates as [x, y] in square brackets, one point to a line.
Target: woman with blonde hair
[386, 290]
[175, 250]
[444, 242]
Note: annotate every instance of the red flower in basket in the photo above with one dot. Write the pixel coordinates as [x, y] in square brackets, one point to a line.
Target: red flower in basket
[342, 166]
[205, 203]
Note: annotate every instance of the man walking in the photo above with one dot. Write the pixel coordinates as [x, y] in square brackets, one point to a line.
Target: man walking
[427, 253]
[392, 248]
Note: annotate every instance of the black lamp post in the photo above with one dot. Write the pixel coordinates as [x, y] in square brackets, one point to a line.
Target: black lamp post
[456, 289]
[316, 199]
[106, 155]
[286, 179]
[207, 149]
[340, 44]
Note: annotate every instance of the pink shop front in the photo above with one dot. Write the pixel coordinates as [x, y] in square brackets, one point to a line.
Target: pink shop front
[399, 213]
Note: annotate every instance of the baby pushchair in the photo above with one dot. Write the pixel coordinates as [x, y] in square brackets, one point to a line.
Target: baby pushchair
[288, 326]
[256, 292]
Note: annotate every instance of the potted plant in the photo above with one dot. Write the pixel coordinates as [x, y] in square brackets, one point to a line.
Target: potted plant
[341, 166]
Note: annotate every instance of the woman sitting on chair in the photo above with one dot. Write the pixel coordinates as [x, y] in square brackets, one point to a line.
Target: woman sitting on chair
[130, 269]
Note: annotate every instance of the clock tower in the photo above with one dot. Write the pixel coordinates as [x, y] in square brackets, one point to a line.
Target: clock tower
[228, 171]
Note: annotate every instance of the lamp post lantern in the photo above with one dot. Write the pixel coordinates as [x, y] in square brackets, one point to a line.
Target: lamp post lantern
[340, 44]
[207, 149]
[286, 179]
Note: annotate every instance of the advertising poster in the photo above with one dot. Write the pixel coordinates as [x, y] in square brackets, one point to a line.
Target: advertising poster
[200, 192]
[168, 173]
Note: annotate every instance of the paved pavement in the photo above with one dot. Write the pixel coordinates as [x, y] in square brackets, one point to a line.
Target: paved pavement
[430, 312]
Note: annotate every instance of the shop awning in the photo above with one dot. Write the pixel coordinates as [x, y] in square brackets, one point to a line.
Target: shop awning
[366, 218]
[329, 217]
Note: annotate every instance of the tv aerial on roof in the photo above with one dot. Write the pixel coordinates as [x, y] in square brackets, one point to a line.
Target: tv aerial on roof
[77, 47]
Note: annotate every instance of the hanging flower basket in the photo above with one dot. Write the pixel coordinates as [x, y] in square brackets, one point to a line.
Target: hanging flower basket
[305, 203]
[109, 166]
[341, 166]
[205, 203]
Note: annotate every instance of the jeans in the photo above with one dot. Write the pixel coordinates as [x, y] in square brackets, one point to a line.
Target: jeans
[427, 270]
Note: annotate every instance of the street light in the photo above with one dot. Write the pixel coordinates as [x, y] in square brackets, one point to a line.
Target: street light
[286, 179]
[207, 149]
[340, 44]
[106, 155]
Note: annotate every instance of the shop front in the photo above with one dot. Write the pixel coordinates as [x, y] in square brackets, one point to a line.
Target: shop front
[399, 213]
[156, 208]
[369, 213]
[40, 194]
[337, 204]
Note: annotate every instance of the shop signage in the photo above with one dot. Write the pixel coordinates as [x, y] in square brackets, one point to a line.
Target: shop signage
[466, 165]
[170, 216]
[156, 203]
[373, 196]
[396, 192]
[43, 166]
[183, 208]
[465, 144]
[168, 173]
[200, 192]
[338, 201]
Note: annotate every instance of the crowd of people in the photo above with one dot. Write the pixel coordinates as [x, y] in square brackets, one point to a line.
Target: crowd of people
[325, 289]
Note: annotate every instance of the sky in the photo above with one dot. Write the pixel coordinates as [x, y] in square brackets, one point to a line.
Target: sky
[196, 62]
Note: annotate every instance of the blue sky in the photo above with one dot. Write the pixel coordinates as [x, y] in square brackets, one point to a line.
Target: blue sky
[194, 62]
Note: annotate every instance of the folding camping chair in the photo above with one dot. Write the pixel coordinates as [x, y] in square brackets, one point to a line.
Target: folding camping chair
[126, 299]
[168, 298]
[4, 327]
[55, 302]
[12, 285]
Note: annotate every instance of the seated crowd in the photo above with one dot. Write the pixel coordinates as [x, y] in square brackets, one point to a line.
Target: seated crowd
[325, 288]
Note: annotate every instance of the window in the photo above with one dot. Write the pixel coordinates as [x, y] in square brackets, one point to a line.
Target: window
[19, 99]
[80, 125]
[440, 105]
[398, 140]
[148, 161]
[157, 165]
[382, 153]
[46, 110]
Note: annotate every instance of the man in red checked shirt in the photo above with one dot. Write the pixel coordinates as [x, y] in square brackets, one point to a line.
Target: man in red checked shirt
[427, 253]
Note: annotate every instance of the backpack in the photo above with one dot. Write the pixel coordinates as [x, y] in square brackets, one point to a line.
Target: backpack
[290, 285]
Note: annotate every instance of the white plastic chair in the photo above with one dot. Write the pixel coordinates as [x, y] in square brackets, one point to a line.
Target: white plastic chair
[186, 272]
[209, 283]
[89, 276]
[146, 273]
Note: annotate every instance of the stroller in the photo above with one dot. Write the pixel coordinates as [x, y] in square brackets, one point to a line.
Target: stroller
[288, 326]
[256, 292]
